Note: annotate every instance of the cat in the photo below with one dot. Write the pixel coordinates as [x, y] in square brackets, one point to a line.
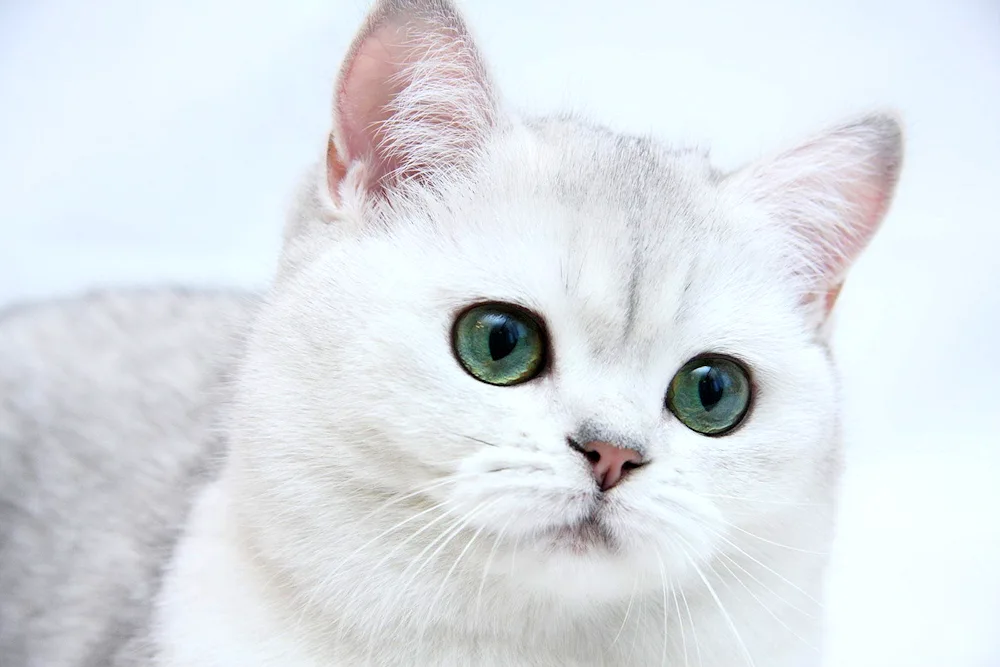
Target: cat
[524, 391]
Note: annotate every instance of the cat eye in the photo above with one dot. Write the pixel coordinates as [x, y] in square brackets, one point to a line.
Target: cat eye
[499, 344]
[710, 394]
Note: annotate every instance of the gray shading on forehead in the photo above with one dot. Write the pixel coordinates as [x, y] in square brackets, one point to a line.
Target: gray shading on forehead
[642, 194]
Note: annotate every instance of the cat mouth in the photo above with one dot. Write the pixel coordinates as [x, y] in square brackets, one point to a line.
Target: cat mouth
[583, 536]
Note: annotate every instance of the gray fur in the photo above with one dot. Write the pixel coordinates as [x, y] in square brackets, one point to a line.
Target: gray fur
[107, 407]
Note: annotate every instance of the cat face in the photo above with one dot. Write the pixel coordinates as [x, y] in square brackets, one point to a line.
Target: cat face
[477, 314]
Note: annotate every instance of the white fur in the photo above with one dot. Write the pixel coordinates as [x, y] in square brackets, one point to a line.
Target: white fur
[362, 518]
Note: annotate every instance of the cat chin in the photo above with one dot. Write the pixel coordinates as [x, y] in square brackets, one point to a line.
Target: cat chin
[578, 565]
[587, 537]
[597, 561]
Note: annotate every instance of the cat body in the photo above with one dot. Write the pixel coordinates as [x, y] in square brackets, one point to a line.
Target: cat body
[351, 484]
[107, 433]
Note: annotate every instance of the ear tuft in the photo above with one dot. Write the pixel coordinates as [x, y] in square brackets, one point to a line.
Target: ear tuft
[831, 193]
[413, 98]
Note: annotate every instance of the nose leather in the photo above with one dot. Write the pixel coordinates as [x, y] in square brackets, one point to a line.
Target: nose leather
[609, 462]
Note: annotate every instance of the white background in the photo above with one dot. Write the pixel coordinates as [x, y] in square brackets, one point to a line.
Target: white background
[143, 143]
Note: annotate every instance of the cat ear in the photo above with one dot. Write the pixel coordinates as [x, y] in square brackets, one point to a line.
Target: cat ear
[412, 100]
[831, 193]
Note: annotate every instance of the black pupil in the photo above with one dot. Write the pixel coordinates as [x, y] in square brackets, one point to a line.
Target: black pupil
[503, 338]
[711, 386]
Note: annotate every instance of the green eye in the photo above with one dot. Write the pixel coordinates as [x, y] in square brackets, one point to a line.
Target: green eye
[499, 344]
[710, 395]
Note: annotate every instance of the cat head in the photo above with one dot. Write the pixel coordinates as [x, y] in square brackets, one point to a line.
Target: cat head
[585, 346]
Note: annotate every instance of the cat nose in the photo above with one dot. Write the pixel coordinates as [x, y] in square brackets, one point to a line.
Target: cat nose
[609, 462]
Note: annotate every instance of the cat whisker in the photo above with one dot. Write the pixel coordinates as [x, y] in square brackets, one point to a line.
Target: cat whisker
[394, 500]
[337, 570]
[430, 524]
[372, 639]
[402, 544]
[489, 562]
[718, 602]
[418, 559]
[447, 575]
[680, 623]
[761, 501]
[757, 562]
[722, 580]
[766, 588]
[454, 532]
[663, 584]
[767, 608]
[444, 538]
[448, 479]
[775, 544]
[513, 555]
[694, 632]
[628, 610]
[719, 535]
[479, 440]
[638, 629]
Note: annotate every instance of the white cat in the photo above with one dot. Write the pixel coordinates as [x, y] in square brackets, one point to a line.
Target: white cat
[524, 392]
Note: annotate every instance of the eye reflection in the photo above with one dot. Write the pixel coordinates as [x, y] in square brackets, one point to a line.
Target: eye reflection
[710, 394]
[499, 344]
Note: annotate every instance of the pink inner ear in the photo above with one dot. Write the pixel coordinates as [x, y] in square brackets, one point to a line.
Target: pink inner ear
[874, 207]
[831, 298]
[364, 102]
[413, 99]
[836, 255]
[871, 202]
[831, 193]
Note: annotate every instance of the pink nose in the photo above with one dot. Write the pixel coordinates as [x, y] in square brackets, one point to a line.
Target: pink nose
[610, 463]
